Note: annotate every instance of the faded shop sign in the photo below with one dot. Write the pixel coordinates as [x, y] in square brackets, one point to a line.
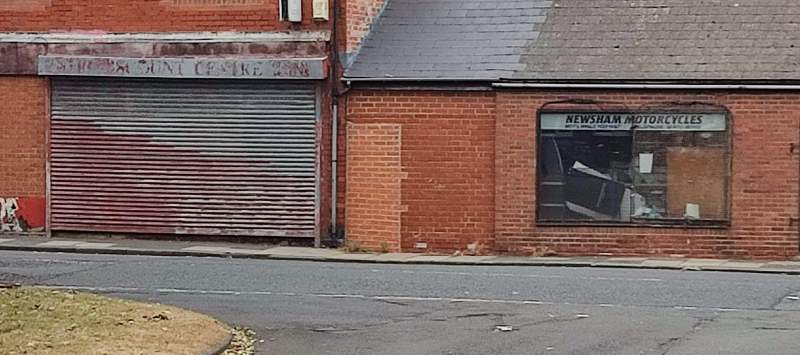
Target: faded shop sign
[220, 68]
[633, 121]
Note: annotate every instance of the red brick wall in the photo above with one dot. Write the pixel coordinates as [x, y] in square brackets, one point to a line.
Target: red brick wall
[23, 152]
[148, 16]
[470, 160]
[23, 145]
[764, 185]
[374, 175]
[359, 15]
[447, 152]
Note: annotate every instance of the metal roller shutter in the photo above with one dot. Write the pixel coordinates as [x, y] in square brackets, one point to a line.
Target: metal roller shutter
[211, 157]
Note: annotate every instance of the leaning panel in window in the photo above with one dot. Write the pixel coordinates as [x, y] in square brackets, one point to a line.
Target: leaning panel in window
[633, 167]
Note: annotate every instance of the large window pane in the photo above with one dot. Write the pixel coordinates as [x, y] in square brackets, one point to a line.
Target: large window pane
[626, 167]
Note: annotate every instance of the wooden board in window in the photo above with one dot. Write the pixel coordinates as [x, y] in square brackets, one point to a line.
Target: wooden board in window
[696, 175]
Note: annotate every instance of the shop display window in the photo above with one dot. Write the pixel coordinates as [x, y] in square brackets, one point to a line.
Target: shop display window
[657, 168]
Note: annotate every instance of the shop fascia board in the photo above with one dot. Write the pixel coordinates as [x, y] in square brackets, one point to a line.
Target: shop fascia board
[582, 85]
[645, 86]
[178, 37]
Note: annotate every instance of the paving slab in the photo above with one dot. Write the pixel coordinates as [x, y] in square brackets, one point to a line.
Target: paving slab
[514, 260]
[776, 270]
[299, 251]
[742, 265]
[95, 245]
[206, 249]
[616, 264]
[552, 258]
[352, 256]
[627, 260]
[702, 262]
[59, 243]
[395, 257]
[666, 263]
[245, 251]
[6, 240]
[467, 259]
[428, 258]
[783, 264]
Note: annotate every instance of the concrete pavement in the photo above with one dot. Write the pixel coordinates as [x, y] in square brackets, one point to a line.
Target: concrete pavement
[261, 251]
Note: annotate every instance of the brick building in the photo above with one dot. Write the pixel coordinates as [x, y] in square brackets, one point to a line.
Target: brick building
[524, 127]
[172, 117]
[576, 128]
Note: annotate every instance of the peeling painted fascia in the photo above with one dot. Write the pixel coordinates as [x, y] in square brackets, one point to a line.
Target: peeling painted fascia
[176, 37]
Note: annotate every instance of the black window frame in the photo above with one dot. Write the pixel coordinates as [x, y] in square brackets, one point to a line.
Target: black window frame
[283, 7]
[702, 223]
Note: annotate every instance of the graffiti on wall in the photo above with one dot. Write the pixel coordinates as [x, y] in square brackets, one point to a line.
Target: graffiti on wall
[22, 214]
[8, 215]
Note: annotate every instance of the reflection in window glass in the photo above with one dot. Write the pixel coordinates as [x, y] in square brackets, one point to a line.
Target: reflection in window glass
[623, 167]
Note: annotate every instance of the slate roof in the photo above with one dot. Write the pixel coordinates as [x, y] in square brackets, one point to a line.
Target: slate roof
[463, 39]
[667, 40]
[584, 40]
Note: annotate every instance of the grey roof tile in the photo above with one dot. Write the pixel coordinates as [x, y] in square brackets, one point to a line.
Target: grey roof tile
[584, 40]
[667, 39]
[480, 39]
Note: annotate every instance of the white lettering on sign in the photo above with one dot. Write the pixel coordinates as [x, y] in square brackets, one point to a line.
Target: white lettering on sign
[213, 3]
[312, 68]
[634, 121]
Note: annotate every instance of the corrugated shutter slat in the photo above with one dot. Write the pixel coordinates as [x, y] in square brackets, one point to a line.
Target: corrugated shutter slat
[216, 157]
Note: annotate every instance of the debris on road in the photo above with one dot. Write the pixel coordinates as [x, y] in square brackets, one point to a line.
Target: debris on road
[503, 328]
[243, 342]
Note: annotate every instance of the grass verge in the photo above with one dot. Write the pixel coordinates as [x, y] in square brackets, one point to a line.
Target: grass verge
[45, 321]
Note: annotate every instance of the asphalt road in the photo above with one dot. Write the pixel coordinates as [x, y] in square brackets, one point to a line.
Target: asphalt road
[299, 307]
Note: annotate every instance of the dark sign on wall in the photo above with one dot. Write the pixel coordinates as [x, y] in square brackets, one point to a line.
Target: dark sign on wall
[221, 68]
[636, 121]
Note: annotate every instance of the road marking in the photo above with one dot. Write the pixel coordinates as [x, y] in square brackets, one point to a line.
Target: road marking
[367, 297]
[271, 293]
[535, 276]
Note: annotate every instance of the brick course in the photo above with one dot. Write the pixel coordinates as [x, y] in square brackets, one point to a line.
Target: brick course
[149, 16]
[359, 15]
[764, 184]
[23, 148]
[373, 190]
[447, 143]
[470, 159]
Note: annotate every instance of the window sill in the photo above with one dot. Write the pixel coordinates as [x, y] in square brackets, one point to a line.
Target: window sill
[668, 223]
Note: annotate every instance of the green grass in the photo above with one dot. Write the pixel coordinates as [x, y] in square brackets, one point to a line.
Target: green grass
[44, 321]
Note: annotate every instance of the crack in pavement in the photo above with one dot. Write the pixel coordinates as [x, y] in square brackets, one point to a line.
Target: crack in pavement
[669, 344]
[781, 299]
[776, 328]
[476, 315]
[552, 319]
[396, 303]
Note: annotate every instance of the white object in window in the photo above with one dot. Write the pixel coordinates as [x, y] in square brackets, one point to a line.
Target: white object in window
[320, 10]
[692, 211]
